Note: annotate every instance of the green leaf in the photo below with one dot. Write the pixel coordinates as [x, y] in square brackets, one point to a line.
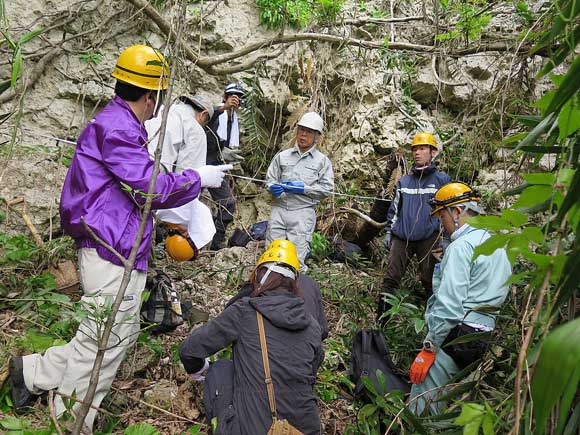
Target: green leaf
[533, 195]
[540, 178]
[516, 218]
[491, 245]
[14, 423]
[470, 418]
[419, 324]
[569, 119]
[544, 102]
[534, 234]
[567, 89]
[565, 176]
[495, 223]
[517, 245]
[29, 36]
[366, 411]
[488, 425]
[556, 371]
[537, 131]
[141, 429]
[16, 66]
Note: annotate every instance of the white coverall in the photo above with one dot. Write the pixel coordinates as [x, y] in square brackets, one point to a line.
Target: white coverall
[185, 143]
[293, 215]
[65, 368]
[459, 285]
[184, 147]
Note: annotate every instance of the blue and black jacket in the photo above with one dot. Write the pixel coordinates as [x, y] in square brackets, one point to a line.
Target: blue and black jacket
[409, 216]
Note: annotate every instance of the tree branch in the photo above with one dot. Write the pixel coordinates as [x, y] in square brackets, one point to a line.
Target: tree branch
[370, 20]
[363, 216]
[207, 62]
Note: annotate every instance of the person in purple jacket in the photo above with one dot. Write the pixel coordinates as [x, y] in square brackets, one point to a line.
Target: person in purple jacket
[411, 230]
[106, 186]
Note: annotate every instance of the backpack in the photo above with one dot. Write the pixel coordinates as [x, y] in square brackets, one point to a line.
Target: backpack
[162, 308]
[241, 237]
[370, 353]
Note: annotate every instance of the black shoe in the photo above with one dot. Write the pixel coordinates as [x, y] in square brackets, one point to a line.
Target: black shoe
[19, 394]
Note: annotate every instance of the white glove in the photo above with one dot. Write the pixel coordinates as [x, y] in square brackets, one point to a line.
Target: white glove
[199, 376]
[231, 156]
[212, 176]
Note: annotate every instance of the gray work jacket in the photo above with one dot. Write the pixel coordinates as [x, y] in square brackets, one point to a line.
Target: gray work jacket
[313, 168]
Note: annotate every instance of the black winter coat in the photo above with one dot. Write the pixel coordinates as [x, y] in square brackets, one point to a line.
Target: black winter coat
[295, 353]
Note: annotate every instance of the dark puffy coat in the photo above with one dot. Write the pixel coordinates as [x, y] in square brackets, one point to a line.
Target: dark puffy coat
[409, 216]
[312, 300]
[295, 353]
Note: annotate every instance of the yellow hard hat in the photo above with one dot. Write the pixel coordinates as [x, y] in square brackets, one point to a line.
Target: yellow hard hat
[282, 243]
[285, 255]
[453, 193]
[424, 138]
[180, 248]
[142, 66]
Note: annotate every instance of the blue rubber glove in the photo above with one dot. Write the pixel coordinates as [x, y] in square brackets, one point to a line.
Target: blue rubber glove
[276, 190]
[293, 186]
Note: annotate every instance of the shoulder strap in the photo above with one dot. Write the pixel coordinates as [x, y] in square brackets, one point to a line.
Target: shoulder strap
[268, 379]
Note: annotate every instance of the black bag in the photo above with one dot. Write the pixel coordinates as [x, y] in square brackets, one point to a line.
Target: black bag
[465, 353]
[241, 237]
[347, 252]
[370, 353]
[162, 307]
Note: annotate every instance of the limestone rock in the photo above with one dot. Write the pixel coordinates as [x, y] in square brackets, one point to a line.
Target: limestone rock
[162, 394]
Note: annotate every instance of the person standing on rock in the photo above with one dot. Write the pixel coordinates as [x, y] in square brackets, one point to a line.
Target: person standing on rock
[104, 191]
[298, 178]
[460, 285]
[236, 393]
[223, 141]
[411, 229]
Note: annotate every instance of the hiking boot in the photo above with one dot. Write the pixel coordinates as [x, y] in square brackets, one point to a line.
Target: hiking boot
[19, 394]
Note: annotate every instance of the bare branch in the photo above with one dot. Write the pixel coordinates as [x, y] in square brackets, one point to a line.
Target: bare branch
[33, 77]
[101, 242]
[164, 26]
[363, 216]
[439, 79]
[370, 20]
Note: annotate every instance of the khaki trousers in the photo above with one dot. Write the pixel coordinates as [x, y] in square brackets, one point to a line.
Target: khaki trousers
[294, 225]
[67, 368]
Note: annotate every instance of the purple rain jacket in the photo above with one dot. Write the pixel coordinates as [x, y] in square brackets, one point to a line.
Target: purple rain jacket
[110, 168]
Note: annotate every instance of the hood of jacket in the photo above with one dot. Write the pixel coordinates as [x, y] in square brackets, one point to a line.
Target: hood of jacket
[282, 309]
[427, 170]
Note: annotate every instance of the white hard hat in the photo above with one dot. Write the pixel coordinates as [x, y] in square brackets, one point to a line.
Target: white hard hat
[199, 103]
[312, 120]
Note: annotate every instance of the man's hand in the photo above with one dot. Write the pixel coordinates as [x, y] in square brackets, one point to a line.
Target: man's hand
[276, 190]
[199, 376]
[437, 253]
[231, 155]
[293, 187]
[387, 240]
[420, 367]
[232, 102]
[212, 176]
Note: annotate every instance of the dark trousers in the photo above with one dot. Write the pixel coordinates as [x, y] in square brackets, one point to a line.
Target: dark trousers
[401, 253]
[226, 209]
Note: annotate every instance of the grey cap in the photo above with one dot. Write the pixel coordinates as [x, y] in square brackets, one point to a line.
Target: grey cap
[199, 103]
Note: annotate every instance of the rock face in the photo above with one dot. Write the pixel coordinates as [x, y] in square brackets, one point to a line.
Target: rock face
[372, 101]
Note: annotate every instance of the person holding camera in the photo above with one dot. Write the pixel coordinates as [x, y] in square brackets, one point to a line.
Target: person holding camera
[223, 141]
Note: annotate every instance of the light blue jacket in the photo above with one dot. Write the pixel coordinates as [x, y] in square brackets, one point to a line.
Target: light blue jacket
[461, 284]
